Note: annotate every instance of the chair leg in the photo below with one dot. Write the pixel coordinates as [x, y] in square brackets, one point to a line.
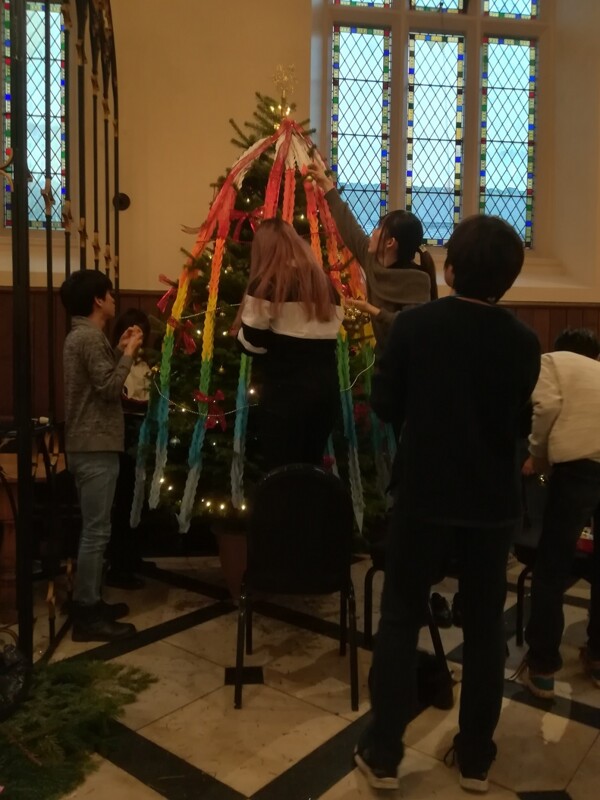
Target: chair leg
[436, 639]
[524, 574]
[353, 650]
[249, 625]
[51, 603]
[343, 622]
[368, 607]
[239, 658]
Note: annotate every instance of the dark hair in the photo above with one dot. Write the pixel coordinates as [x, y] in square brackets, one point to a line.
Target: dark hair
[578, 340]
[80, 290]
[406, 229]
[133, 316]
[486, 255]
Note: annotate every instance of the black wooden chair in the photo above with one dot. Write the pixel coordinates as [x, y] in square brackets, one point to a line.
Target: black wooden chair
[299, 542]
[44, 464]
[377, 553]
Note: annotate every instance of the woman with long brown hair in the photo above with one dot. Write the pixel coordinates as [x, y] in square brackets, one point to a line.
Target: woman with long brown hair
[290, 319]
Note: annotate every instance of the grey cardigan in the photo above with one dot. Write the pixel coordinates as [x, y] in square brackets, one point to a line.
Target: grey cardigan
[388, 289]
[94, 376]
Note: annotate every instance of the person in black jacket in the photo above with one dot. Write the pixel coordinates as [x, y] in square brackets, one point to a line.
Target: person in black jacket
[456, 377]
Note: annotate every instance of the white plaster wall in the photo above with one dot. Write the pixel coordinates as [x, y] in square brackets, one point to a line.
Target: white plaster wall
[186, 67]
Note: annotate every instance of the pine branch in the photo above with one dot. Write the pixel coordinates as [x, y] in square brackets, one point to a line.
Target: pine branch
[245, 141]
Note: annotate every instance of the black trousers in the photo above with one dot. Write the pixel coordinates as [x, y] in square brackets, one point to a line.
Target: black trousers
[296, 421]
[415, 555]
[573, 499]
[124, 548]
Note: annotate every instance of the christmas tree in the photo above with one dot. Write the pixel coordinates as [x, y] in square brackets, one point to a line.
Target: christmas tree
[197, 445]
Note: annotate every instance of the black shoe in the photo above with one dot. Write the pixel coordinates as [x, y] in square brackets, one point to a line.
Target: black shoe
[440, 611]
[473, 777]
[101, 630]
[379, 777]
[474, 781]
[457, 611]
[108, 611]
[129, 582]
[113, 611]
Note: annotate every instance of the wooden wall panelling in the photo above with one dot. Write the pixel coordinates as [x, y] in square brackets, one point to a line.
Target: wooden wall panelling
[573, 318]
[6, 362]
[557, 323]
[590, 318]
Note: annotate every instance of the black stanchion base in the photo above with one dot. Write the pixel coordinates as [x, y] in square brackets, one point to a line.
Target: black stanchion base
[251, 675]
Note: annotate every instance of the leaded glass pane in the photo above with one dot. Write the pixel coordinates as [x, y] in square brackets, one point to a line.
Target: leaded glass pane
[508, 132]
[434, 150]
[36, 111]
[511, 9]
[452, 6]
[359, 120]
[369, 3]
[6, 111]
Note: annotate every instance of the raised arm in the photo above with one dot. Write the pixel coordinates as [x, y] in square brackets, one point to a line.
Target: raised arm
[355, 239]
[106, 376]
[547, 404]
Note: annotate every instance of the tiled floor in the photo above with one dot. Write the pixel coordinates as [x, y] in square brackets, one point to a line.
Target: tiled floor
[293, 738]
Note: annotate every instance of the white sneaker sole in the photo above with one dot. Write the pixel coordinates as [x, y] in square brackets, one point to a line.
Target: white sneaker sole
[474, 784]
[375, 782]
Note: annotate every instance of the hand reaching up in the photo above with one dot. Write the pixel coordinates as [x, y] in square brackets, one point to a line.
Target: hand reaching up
[321, 178]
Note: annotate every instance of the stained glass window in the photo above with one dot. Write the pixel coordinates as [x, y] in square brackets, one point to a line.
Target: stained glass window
[360, 118]
[369, 3]
[36, 110]
[511, 9]
[508, 131]
[452, 6]
[434, 148]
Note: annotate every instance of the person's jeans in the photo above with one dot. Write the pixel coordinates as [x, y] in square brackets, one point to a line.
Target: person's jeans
[96, 477]
[573, 497]
[415, 555]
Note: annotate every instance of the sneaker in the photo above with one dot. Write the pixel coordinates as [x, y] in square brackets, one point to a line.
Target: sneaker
[440, 611]
[540, 684]
[592, 666]
[378, 777]
[472, 778]
[474, 781]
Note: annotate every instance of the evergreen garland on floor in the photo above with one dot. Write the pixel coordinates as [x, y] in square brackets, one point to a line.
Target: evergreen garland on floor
[46, 746]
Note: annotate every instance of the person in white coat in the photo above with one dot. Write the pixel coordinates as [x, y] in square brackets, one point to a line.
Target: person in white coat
[565, 446]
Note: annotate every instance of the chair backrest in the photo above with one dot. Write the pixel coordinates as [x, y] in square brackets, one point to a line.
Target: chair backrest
[528, 530]
[529, 527]
[300, 532]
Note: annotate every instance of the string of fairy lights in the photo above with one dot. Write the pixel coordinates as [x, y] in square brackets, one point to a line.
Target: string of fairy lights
[252, 391]
[208, 503]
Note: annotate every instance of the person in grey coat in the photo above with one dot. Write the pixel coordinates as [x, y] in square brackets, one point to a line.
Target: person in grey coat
[94, 375]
